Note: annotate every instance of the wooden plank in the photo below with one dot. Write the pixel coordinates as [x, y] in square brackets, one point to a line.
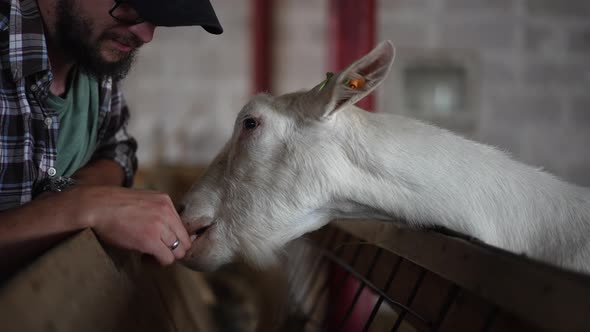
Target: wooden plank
[78, 286]
[548, 297]
[185, 295]
[73, 287]
[468, 313]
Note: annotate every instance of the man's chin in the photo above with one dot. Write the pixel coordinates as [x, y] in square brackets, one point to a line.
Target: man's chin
[108, 63]
[113, 56]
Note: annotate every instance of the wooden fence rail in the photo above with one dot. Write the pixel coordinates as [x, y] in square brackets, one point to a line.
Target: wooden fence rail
[444, 283]
[426, 280]
[78, 286]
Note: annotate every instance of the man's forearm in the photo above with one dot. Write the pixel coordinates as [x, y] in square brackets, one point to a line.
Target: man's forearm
[27, 231]
[100, 172]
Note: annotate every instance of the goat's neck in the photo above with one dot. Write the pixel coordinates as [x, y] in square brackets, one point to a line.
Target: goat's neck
[424, 175]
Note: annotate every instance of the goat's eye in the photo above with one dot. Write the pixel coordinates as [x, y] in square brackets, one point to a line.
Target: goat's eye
[250, 123]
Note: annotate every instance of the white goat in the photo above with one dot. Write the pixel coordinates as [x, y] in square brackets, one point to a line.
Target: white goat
[297, 161]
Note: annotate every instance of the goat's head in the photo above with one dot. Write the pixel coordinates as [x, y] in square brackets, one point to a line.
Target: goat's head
[281, 173]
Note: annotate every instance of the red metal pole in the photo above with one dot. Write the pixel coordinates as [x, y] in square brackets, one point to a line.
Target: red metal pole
[352, 25]
[261, 46]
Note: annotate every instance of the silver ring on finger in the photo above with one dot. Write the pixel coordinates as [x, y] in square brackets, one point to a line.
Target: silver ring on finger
[174, 245]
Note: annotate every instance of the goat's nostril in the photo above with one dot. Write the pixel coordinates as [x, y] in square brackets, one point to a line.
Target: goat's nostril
[180, 208]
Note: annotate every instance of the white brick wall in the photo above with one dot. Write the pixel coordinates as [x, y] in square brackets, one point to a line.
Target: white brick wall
[187, 86]
[527, 61]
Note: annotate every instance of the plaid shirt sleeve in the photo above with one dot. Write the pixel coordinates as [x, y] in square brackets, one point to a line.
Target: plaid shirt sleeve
[114, 142]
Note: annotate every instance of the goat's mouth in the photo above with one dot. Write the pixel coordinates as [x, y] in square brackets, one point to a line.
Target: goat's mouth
[200, 231]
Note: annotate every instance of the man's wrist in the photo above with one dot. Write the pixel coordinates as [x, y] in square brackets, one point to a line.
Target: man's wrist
[100, 172]
[54, 184]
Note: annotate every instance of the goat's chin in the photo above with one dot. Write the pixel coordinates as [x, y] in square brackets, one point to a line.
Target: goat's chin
[207, 254]
[197, 265]
[204, 263]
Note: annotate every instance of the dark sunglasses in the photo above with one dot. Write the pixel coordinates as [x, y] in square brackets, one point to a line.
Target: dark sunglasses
[123, 12]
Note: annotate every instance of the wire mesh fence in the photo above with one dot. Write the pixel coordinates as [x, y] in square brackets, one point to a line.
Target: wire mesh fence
[345, 284]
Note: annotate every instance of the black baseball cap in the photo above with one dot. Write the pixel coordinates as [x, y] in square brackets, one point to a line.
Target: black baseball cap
[172, 13]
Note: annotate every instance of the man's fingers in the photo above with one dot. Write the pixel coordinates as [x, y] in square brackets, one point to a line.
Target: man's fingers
[178, 229]
[163, 254]
[169, 238]
[172, 219]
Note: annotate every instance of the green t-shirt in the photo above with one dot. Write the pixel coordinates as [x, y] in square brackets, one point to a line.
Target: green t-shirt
[78, 122]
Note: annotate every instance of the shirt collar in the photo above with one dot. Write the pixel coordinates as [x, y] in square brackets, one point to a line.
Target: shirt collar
[27, 50]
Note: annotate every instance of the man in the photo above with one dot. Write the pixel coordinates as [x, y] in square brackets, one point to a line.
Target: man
[65, 154]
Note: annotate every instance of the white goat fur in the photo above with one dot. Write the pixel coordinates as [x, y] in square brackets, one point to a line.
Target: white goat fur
[314, 157]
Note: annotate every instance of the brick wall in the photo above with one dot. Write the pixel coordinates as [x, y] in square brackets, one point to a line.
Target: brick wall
[187, 86]
[527, 61]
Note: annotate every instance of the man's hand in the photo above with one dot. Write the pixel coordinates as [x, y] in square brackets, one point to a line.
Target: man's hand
[145, 221]
[140, 220]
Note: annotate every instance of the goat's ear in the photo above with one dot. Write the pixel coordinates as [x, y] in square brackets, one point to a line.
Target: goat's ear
[353, 83]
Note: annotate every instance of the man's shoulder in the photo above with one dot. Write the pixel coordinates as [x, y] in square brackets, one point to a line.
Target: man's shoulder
[5, 10]
[4, 32]
[4, 17]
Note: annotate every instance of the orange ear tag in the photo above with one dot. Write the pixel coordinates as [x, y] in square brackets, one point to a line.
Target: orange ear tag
[355, 83]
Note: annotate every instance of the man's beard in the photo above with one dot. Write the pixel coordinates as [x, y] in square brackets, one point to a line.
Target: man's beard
[72, 34]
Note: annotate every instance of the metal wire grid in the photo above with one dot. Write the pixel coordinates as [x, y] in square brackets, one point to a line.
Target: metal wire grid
[429, 303]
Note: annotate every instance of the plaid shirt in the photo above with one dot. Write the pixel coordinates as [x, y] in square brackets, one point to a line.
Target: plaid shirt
[28, 128]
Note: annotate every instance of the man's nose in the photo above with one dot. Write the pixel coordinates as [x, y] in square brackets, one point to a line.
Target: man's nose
[144, 31]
